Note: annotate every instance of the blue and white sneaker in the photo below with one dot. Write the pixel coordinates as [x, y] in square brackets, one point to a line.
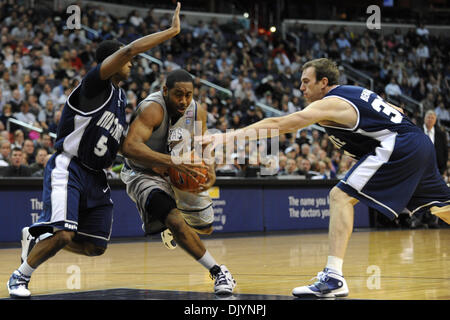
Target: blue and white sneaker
[18, 285]
[328, 285]
[167, 239]
[224, 282]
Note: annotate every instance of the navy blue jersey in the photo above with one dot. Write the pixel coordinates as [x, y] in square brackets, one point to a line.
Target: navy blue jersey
[377, 120]
[396, 169]
[93, 134]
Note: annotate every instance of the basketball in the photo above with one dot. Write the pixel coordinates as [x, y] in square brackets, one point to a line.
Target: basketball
[184, 182]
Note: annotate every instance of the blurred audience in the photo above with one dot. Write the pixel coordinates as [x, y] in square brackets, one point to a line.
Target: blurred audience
[43, 63]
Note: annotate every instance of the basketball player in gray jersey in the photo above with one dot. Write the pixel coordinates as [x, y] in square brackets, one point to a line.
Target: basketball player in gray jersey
[153, 129]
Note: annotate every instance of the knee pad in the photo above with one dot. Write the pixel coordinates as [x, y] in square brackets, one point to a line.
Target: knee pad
[158, 205]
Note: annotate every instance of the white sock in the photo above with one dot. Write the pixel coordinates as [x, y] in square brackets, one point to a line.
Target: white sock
[207, 260]
[335, 264]
[25, 269]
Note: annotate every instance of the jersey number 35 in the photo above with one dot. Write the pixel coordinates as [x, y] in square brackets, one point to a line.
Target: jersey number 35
[381, 106]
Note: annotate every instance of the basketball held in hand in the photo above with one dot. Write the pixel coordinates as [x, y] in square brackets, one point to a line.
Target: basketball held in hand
[185, 182]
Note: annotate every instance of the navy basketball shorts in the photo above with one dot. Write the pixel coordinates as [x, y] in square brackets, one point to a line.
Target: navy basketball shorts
[401, 175]
[76, 199]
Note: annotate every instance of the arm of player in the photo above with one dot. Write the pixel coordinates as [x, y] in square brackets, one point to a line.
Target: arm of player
[149, 116]
[331, 109]
[133, 147]
[114, 63]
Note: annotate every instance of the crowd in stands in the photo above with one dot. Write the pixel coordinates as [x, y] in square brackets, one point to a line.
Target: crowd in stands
[42, 61]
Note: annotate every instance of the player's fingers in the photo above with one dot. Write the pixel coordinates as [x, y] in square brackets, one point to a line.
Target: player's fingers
[177, 11]
[192, 172]
[193, 176]
[196, 166]
[199, 174]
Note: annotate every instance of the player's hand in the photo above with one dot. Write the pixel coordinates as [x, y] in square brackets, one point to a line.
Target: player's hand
[191, 169]
[176, 19]
[189, 164]
[211, 178]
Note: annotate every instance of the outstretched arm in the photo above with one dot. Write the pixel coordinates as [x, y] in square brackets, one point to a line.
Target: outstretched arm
[114, 62]
[332, 109]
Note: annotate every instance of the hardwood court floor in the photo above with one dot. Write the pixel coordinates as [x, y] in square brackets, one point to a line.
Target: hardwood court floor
[394, 264]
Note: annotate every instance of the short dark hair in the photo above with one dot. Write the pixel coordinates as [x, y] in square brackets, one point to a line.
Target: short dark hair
[106, 48]
[178, 75]
[325, 68]
[16, 149]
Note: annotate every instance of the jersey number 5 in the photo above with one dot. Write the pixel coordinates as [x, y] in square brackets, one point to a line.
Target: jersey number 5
[380, 105]
[101, 147]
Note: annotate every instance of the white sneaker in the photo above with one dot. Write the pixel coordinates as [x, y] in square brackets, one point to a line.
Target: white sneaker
[224, 282]
[18, 285]
[167, 239]
[28, 243]
[328, 285]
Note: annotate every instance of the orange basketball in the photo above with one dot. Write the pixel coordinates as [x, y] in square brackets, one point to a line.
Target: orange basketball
[184, 182]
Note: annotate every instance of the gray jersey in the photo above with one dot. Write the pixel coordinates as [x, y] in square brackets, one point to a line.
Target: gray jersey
[187, 126]
[158, 140]
[140, 181]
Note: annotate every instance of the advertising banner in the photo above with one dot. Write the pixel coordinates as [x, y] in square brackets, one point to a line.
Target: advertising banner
[236, 209]
[301, 208]
[18, 209]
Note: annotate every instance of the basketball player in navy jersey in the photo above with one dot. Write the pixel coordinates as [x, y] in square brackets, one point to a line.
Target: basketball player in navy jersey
[78, 210]
[396, 166]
